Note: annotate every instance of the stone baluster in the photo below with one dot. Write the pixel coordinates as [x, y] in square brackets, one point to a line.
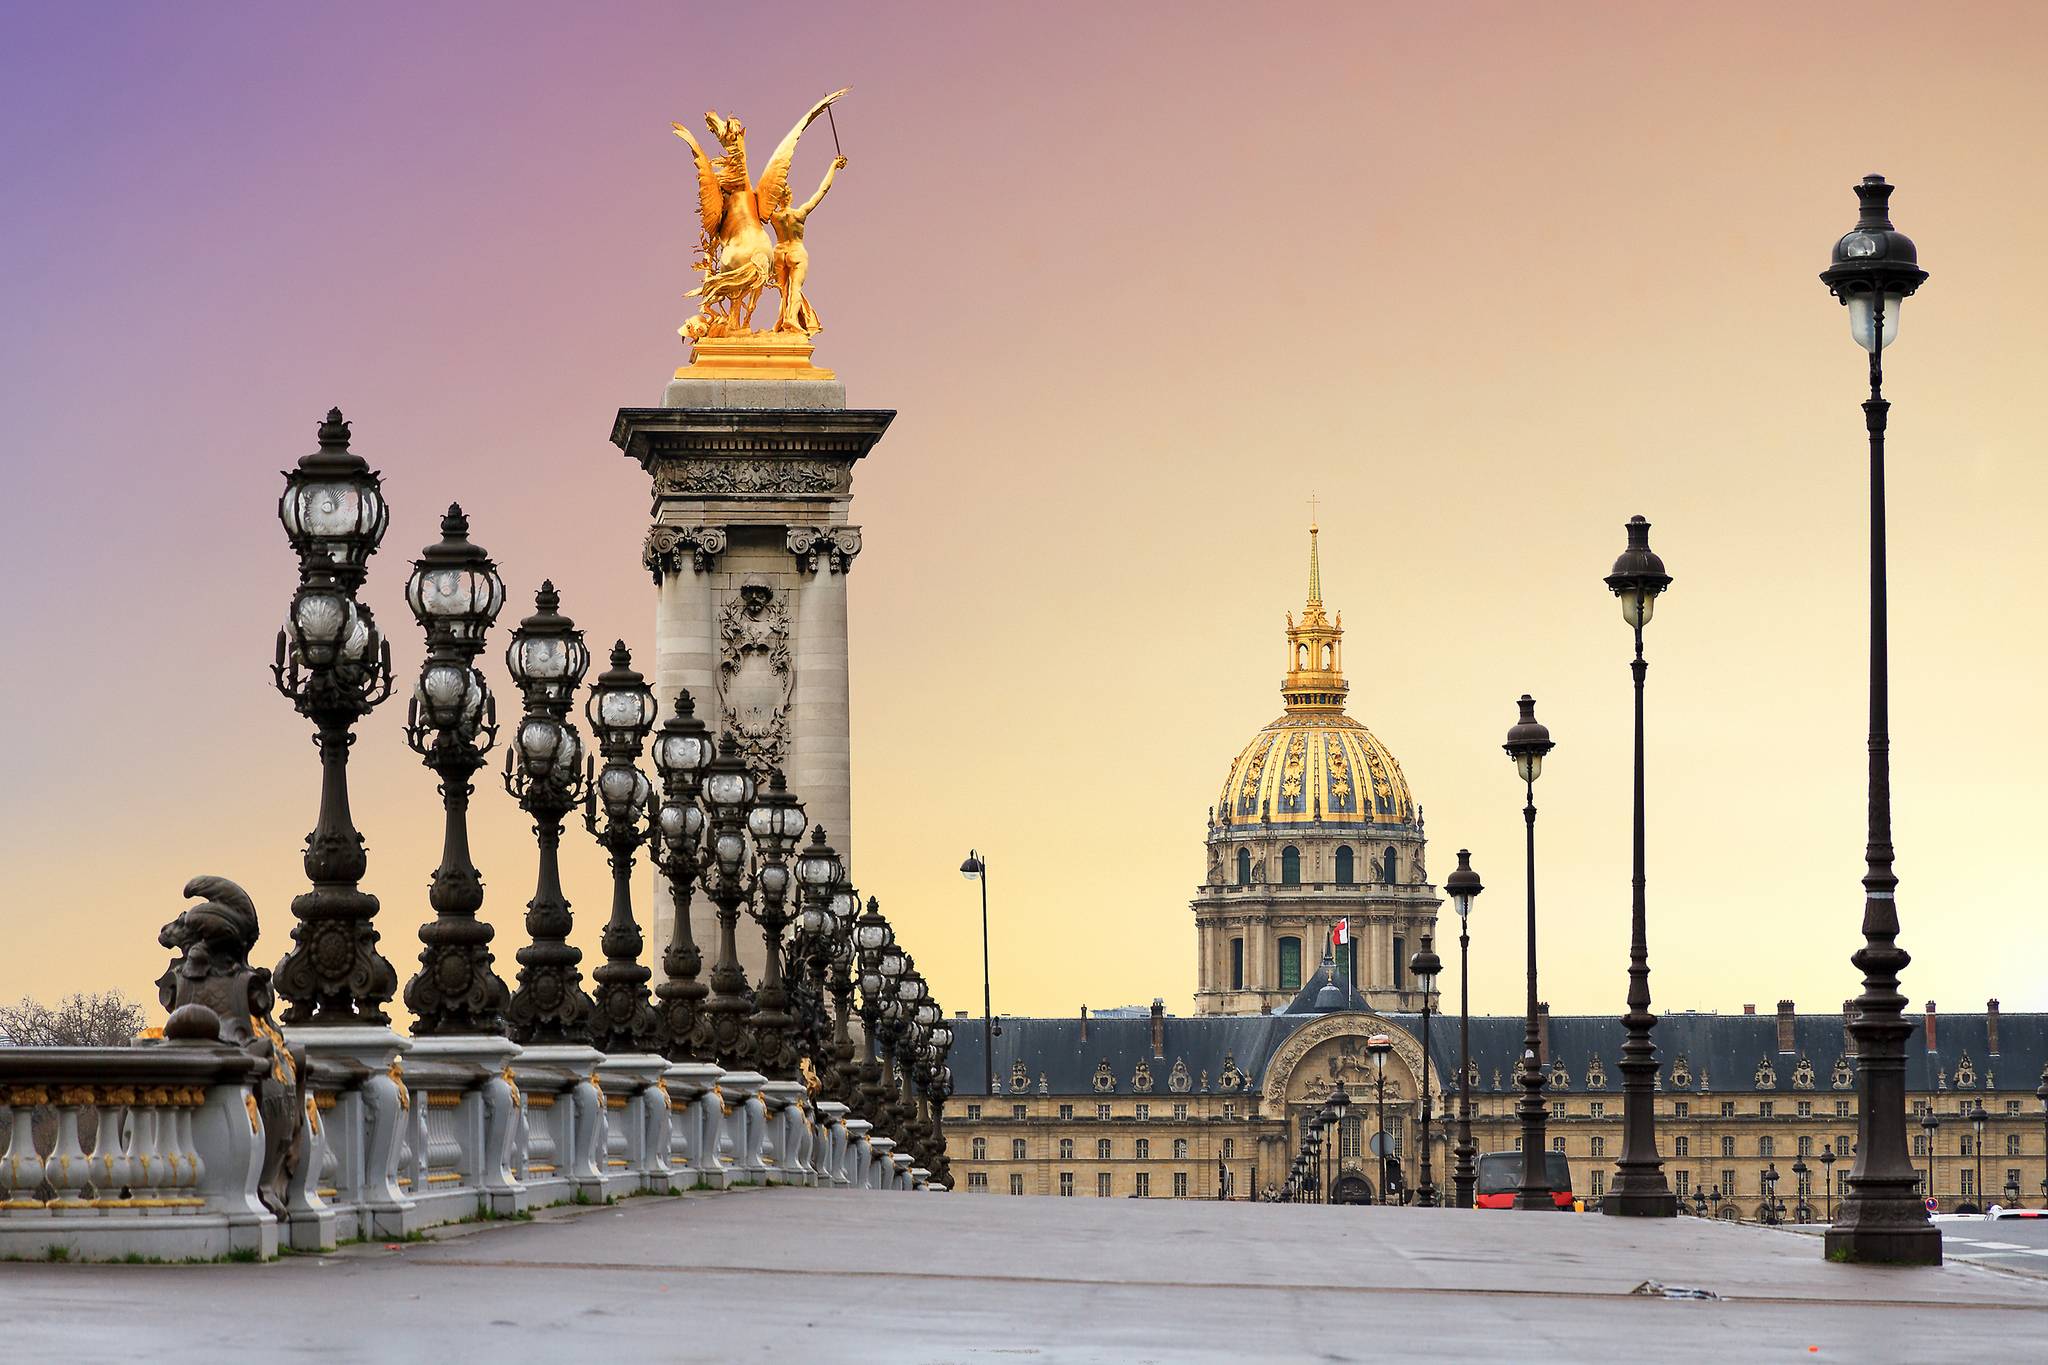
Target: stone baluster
[113, 1154]
[21, 1169]
[586, 1137]
[830, 1158]
[503, 1128]
[67, 1169]
[882, 1170]
[859, 1152]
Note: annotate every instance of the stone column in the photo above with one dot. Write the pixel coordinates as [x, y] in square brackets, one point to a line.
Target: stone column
[752, 484]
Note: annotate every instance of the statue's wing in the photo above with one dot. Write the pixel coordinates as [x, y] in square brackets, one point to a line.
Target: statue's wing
[710, 199]
[772, 194]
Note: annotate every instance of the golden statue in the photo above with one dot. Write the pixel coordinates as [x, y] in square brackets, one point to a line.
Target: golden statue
[739, 260]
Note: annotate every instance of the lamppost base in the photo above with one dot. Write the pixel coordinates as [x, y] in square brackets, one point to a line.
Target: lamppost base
[1639, 1203]
[1885, 1246]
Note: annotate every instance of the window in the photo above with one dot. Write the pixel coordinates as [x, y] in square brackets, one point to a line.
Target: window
[1016, 1149]
[1290, 866]
[1102, 1185]
[1101, 1111]
[1682, 1109]
[1681, 1183]
[1180, 1184]
[1557, 1144]
[1805, 1184]
[1681, 1146]
[1142, 1111]
[1727, 1184]
[1066, 1111]
[1841, 1109]
[1180, 1149]
[1102, 1149]
[1597, 1147]
[1144, 1190]
[1229, 1148]
[1290, 964]
[1144, 1152]
[2012, 1106]
[1016, 1184]
[1067, 1183]
[1387, 866]
[1400, 957]
[1919, 1108]
[1066, 1149]
[1969, 1178]
[1599, 1183]
[1727, 1109]
[977, 1182]
[2012, 1144]
[1557, 1109]
[1344, 866]
[1244, 867]
[1806, 1109]
[1229, 1109]
[1237, 964]
[1806, 1146]
[1765, 1109]
[2012, 1178]
[1845, 1146]
[1919, 1144]
[1518, 1144]
[981, 1149]
[1766, 1146]
[1180, 1111]
[1727, 1146]
[1018, 1111]
[1968, 1148]
[1349, 1132]
[973, 1112]
[1597, 1110]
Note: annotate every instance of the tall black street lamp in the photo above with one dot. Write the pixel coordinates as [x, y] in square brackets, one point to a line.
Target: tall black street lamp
[818, 874]
[544, 773]
[845, 905]
[1930, 1124]
[1800, 1185]
[2042, 1095]
[1463, 886]
[777, 823]
[874, 941]
[1377, 1047]
[1827, 1175]
[1339, 1105]
[1874, 268]
[1426, 966]
[455, 593]
[1528, 741]
[336, 668]
[975, 869]
[1977, 1122]
[682, 751]
[621, 713]
[1640, 1189]
[728, 792]
[1770, 1184]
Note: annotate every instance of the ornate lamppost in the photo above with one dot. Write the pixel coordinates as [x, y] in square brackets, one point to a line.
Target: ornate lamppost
[1426, 966]
[2041, 1094]
[777, 823]
[875, 941]
[1377, 1047]
[845, 905]
[544, 773]
[1977, 1121]
[1463, 886]
[1528, 741]
[818, 873]
[975, 869]
[1770, 1184]
[336, 668]
[621, 712]
[455, 594]
[682, 752]
[728, 792]
[1799, 1184]
[1874, 268]
[1827, 1175]
[1640, 1189]
[1930, 1124]
[1339, 1106]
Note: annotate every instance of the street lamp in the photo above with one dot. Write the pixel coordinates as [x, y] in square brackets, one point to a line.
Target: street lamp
[777, 823]
[335, 668]
[1426, 965]
[1770, 1184]
[818, 873]
[1640, 1189]
[975, 869]
[1463, 885]
[1827, 1167]
[544, 773]
[728, 792]
[1528, 741]
[1377, 1047]
[2012, 1190]
[1715, 1196]
[874, 940]
[1799, 1183]
[455, 594]
[682, 751]
[1340, 1109]
[845, 905]
[621, 713]
[1873, 269]
[1930, 1123]
[1977, 1120]
[1699, 1201]
[2042, 1095]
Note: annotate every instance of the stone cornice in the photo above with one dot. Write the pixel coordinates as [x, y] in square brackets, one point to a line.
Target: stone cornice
[652, 437]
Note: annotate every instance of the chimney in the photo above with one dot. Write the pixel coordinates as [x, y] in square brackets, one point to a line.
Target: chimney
[1930, 1026]
[1785, 1018]
[1158, 1027]
[1848, 1018]
[1991, 1023]
[1084, 1023]
[1542, 1031]
[1748, 1010]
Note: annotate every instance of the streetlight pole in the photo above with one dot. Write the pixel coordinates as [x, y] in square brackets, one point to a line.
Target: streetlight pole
[1463, 885]
[1977, 1119]
[1930, 1123]
[1640, 1189]
[1827, 1168]
[1874, 268]
[2042, 1095]
[1528, 741]
[975, 869]
[1425, 966]
[1377, 1047]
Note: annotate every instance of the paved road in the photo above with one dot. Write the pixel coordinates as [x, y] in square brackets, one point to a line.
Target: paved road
[2017, 1244]
[848, 1278]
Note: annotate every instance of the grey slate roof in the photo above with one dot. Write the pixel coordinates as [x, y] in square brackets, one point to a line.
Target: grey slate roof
[1697, 1053]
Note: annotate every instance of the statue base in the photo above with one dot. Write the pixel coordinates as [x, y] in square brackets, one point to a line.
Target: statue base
[753, 355]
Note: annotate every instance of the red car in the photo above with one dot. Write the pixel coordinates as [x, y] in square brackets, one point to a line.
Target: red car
[1500, 1176]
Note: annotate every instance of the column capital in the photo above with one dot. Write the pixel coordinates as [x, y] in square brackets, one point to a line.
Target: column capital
[827, 548]
[667, 546]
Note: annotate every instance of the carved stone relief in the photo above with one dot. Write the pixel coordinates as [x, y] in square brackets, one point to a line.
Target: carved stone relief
[686, 477]
[755, 674]
[668, 546]
[831, 548]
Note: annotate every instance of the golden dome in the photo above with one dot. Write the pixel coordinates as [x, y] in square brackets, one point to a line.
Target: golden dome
[1315, 763]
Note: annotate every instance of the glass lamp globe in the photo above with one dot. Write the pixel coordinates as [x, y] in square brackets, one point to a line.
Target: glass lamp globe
[333, 507]
[321, 621]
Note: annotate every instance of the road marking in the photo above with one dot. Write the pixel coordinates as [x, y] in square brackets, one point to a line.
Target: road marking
[2002, 1246]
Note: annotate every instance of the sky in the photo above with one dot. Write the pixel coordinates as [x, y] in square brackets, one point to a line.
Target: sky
[1486, 279]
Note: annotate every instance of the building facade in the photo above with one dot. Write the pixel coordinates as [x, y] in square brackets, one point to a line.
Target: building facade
[1315, 824]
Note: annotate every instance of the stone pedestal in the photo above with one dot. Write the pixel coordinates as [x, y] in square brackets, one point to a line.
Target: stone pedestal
[485, 1118]
[364, 1128]
[577, 1115]
[752, 488]
[830, 1158]
[860, 1152]
[696, 1123]
[746, 1125]
[636, 1077]
[882, 1165]
[784, 1104]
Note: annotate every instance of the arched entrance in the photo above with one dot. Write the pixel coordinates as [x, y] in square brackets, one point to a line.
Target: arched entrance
[1351, 1189]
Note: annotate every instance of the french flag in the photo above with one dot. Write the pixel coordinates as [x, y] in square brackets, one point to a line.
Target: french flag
[1340, 932]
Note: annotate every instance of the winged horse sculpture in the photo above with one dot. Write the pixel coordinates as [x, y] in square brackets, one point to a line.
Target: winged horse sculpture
[736, 254]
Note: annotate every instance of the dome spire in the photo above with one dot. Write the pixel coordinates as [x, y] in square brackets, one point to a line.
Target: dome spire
[1315, 560]
[1315, 646]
